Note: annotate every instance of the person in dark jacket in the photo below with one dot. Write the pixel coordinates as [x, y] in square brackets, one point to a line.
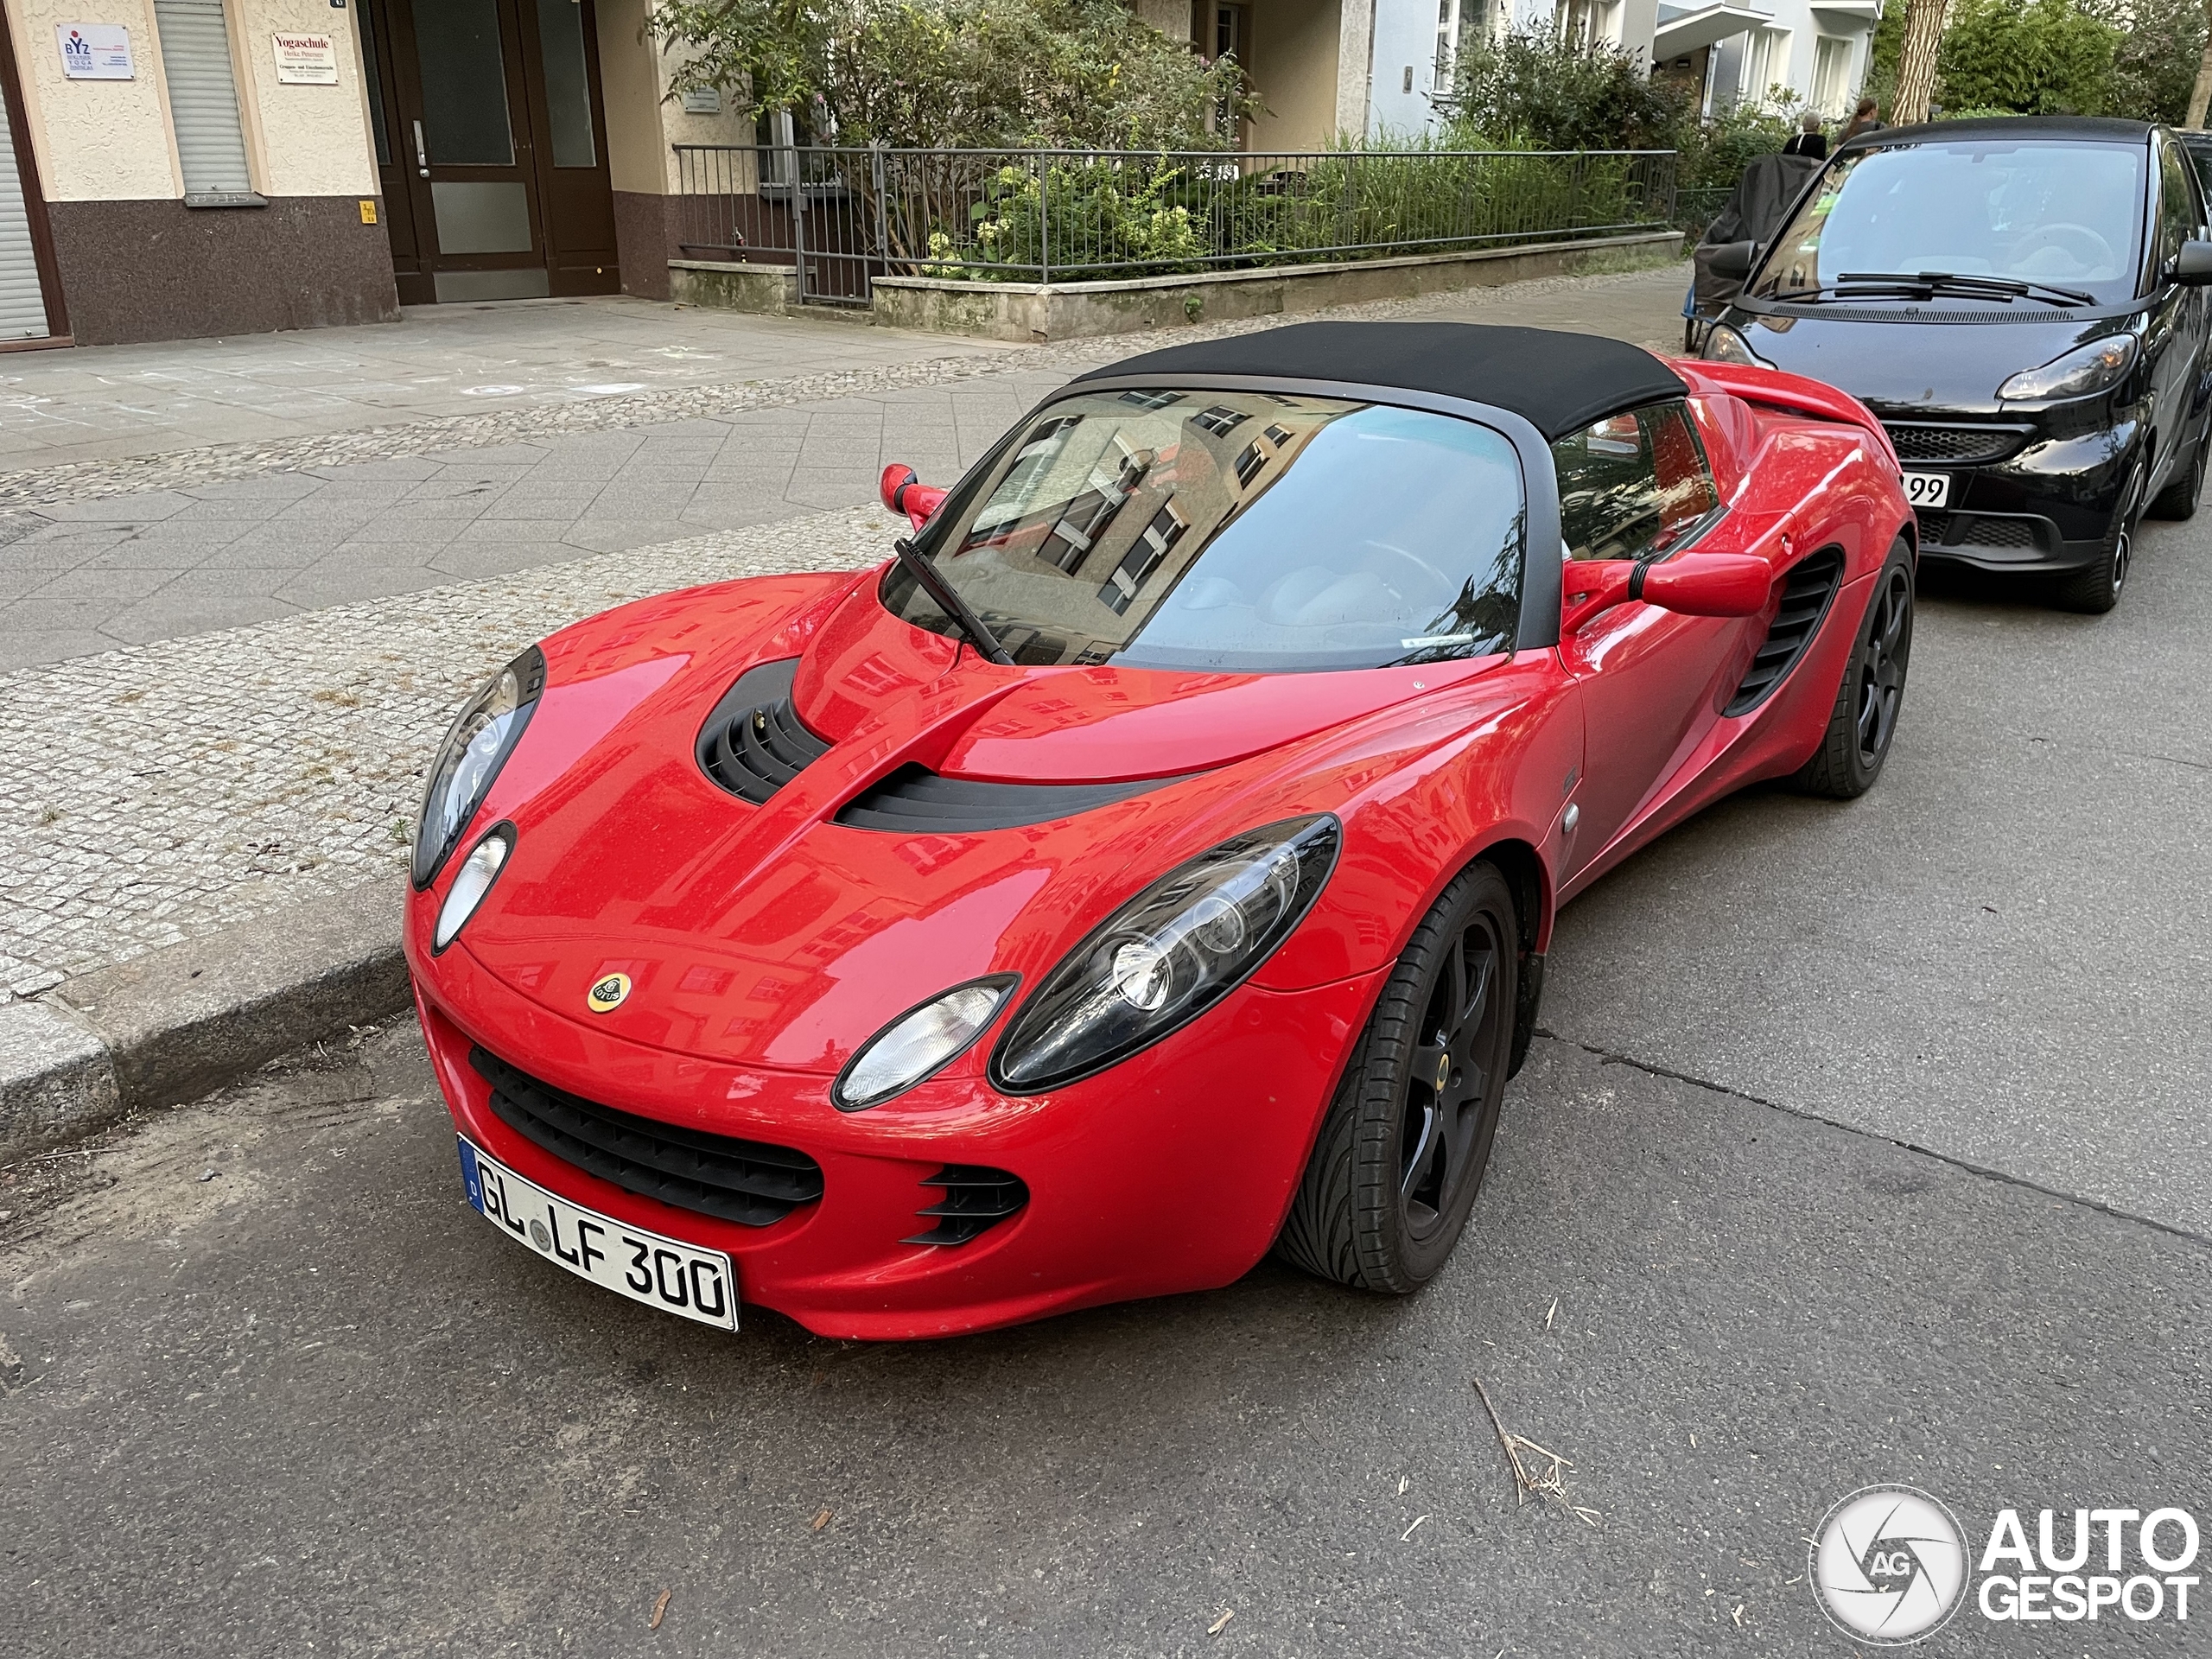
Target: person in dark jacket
[1868, 118]
[1809, 141]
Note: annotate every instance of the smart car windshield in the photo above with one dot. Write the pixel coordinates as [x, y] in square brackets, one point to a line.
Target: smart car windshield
[2035, 212]
[1239, 532]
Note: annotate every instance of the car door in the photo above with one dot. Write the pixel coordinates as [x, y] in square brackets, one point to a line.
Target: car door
[2172, 342]
[1638, 486]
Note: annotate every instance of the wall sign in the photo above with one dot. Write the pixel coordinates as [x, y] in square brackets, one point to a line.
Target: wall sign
[305, 59]
[95, 51]
[702, 100]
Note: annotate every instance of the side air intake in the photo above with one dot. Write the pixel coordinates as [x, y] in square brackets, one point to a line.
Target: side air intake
[753, 743]
[977, 1199]
[1806, 594]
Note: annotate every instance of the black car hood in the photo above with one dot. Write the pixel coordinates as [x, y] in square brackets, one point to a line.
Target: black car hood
[1904, 364]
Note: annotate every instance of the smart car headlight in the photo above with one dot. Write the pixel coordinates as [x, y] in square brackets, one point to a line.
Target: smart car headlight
[2085, 369]
[483, 736]
[470, 883]
[918, 1043]
[1726, 345]
[1168, 955]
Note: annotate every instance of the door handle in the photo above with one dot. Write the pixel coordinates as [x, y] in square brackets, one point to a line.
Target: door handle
[421, 155]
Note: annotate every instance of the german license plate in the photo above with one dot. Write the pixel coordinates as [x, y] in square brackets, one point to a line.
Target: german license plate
[1927, 489]
[676, 1278]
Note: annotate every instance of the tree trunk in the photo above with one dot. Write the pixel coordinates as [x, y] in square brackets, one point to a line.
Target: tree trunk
[2201, 94]
[1924, 34]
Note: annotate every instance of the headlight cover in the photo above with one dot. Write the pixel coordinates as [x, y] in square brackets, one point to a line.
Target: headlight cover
[1725, 345]
[2085, 369]
[1168, 955]
[470, 883]
[919, 1043]
[482, 736]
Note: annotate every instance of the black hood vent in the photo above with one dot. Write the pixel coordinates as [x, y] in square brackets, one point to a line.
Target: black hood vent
[977, 1199]
[754, 743]
[914, 800]
[1806, 595]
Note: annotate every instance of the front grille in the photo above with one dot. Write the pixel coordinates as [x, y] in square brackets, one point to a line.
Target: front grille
[1960, 445]
[753, 743]
[1806, 593]
[748, 1182]
[1973, 530]
[914, 799]
[977, 1199]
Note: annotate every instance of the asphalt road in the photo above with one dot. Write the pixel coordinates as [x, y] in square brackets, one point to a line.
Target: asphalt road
[310, 1403]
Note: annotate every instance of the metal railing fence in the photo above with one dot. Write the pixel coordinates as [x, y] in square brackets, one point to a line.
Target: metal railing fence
[845, 216]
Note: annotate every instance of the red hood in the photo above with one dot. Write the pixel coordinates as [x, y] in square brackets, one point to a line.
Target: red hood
[769, 935]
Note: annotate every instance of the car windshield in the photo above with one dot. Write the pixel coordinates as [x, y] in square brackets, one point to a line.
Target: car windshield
[2068, 215]
[1241, 531]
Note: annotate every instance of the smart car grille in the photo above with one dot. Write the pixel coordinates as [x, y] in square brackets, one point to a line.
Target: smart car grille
[914, 798]
[1805, 597]
[1970, 530]
[748, 1182]
[977, 1199]
[753, 743]
[1962, 444]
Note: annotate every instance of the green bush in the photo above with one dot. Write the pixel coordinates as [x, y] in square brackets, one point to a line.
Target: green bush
[1537, 88]
[2026, 57]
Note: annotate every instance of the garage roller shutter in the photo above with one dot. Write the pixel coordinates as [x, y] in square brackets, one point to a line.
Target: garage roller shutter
[23, 306]
[203, 102]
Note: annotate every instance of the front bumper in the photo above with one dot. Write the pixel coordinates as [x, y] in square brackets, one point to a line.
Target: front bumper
[2044, 508]
[1168, 1172]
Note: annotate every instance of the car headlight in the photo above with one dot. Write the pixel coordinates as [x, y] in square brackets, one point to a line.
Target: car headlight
[470, 883]
[1725, 345]
[2085, 369]
[484, 734]
[919, 1044]
[1168, 955]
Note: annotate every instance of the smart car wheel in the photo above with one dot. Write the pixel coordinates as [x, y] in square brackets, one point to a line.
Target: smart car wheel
[1865, 718]
[1400, 1156]
[2095, 587]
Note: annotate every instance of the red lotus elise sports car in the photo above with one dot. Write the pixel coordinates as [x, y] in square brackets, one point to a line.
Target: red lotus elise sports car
[1152, 865]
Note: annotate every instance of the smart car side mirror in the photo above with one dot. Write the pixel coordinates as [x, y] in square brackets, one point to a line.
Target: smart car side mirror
[2192, 267]
[1690, 584]
[903, 493]
[1734, 259]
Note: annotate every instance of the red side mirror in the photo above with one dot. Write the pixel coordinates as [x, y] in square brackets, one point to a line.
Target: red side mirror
[1691, 584]
[903, 493]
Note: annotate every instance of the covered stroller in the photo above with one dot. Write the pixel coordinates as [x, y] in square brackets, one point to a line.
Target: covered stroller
[1756, 210]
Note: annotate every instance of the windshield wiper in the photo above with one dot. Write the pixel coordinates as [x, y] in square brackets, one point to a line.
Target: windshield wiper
[1958, 282]
[947, 598]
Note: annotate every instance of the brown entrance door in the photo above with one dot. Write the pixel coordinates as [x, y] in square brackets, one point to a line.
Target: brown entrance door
[491, 143]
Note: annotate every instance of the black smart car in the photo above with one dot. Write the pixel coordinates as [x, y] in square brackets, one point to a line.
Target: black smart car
[2022, 302]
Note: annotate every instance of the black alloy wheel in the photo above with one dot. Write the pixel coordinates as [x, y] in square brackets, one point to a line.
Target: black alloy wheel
[2096, 587]
[1863, 721]
[2178, 500]
[1401, 1153]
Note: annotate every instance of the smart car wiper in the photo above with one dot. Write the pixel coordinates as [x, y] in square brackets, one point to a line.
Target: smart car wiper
[934, 585]
[1936, 282]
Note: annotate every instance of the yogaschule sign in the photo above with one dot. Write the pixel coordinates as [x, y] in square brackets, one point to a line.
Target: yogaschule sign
[1891, 1566]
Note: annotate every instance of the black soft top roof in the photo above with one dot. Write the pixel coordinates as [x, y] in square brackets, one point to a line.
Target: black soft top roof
[1558, 382]
[2091, 129]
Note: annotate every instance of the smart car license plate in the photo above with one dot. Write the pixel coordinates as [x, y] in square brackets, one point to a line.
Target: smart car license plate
[1927, 489]
[676, 1278]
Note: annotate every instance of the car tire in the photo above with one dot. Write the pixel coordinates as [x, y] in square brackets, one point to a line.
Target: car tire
[1871, 695]
[2096, 587]
[2178, 500]
[1400, 1156]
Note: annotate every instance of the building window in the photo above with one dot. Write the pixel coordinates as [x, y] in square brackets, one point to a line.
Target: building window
[204, 103]
[1831, 75]
[1767, 65]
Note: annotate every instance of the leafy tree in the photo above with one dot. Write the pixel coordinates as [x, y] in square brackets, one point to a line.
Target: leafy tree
[2036, 57]
[1918, 47]
[2158, 56]
[1535, 88]
[954, 74]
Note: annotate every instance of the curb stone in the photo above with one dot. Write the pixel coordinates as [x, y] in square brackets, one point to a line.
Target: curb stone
[180, 1022]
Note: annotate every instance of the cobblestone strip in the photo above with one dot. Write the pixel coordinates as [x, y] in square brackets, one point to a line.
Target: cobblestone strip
[73, 481]
[153, 794]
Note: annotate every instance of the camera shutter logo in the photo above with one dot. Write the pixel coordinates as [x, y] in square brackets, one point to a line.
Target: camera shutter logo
[1889, 1565]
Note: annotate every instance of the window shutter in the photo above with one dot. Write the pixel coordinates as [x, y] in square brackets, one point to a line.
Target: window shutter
[204, 103]
[22, 303]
